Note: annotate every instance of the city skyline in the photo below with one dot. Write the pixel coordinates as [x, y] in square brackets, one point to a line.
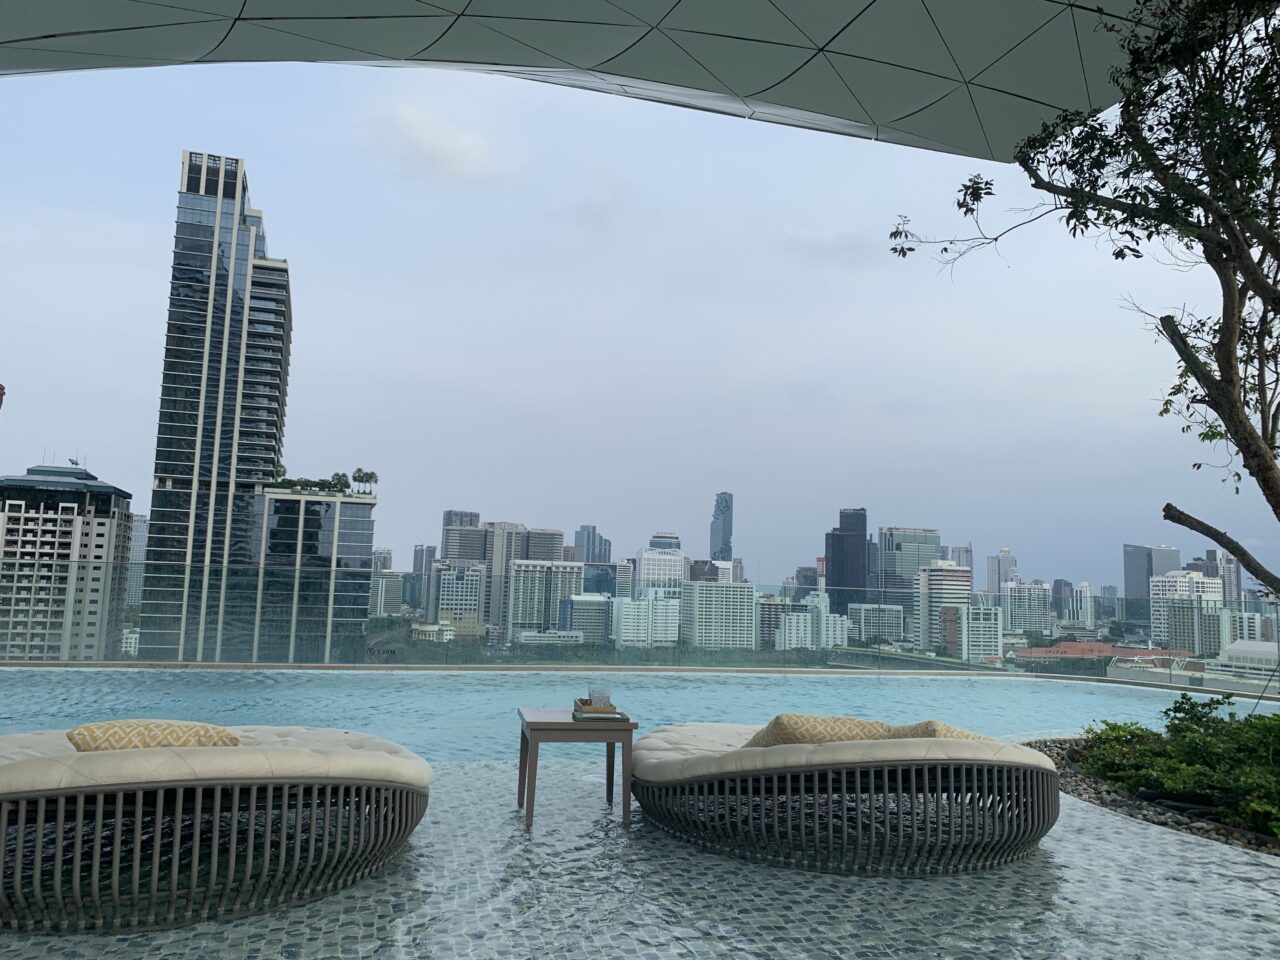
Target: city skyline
[1081, 378]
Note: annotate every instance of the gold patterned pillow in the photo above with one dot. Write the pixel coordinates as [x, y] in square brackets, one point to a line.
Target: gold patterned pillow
[803, 728]
[932, 729]
[128, 734]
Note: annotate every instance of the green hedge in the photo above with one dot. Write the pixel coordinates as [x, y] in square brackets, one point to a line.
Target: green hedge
[1206, 755]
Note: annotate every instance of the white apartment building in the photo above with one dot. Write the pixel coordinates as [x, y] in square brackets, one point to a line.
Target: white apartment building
[659, 572]
[386, 594]
[1082, 611]
[718, 616]
[648, 622]
[64, 557]
[814, 628]
[941, 584]
[983, 633]
[1180, 585]
[1027, 606]
[875, 623]
[535, 589]
[456, 590]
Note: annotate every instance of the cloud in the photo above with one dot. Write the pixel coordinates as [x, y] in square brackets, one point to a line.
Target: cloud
[429, 145]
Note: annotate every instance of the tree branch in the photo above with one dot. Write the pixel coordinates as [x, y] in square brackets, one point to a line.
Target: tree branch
[1227, 543]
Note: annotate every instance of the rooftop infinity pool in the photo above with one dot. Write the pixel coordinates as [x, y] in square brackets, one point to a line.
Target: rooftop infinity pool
[474, 884]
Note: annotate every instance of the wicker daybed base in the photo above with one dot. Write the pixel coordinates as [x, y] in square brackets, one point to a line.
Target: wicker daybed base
[851, 807]
[202, 844]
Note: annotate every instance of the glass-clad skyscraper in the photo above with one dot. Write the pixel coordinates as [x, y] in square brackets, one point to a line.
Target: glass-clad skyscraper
[217, 526]
[722, 527]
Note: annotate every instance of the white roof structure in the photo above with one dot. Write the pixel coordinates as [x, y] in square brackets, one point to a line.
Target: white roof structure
[963, 76]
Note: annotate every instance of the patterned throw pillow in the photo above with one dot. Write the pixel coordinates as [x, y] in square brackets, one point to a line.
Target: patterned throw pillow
[803, 728]
[128, 734]
[932, 729]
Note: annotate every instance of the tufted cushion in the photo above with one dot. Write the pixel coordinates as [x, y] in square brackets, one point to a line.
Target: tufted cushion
[31, 762]
[130, 734]
[696, 751]
[931, 728]
[806, 728]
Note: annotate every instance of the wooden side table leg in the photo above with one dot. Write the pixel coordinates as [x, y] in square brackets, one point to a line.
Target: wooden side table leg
[532, 782]
[524, 766]
[626, 780]
[608, 773]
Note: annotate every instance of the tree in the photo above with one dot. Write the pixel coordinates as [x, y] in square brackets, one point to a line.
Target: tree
[1186, 164]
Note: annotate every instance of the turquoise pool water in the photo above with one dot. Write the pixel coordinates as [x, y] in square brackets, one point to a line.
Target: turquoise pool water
[474, 884]
[472, 715]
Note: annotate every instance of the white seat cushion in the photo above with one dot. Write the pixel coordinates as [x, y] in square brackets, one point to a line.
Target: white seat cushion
[31, 762]
[698, 751]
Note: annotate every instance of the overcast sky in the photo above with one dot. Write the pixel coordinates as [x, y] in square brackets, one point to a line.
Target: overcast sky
[558, 307]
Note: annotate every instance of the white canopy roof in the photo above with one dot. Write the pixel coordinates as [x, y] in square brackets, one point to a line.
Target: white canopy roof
[964, 76]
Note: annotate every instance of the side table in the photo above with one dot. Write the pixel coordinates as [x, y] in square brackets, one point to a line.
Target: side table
[556, 725]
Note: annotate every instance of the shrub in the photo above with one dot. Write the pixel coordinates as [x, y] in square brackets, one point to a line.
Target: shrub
[1206, 755]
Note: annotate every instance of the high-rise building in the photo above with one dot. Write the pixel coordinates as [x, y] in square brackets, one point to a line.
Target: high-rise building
[903, 553]
[710, 571]
[1081, 608]
[1229, 569]
[664, 541]
[64, 551]
[460, 542]
[739, 570]
[1060, 596]
[417, 583]
[382, 559]
[386, 594]
[846, 555]
[722, 528]
[769, 613]
[813, 626]
[718, 616]
[457, 518]
[423, 556]
[137, 560]
[626, 578]
[659, 572]
[1027, 607]
[941, 584]
[806, 577]
[218, 543]
[545, 544]
[1141, 563]
[963, 555]
[973, 633]
[1183, 585]
[504, 543]
[647, 622]
[536, 588]
[590, 614]
[590, 547]
[456, 591]
[1000, 569]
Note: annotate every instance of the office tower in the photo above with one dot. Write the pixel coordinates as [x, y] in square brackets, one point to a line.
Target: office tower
[873, 562]
[600, 578]
[423, 556]
[1109, 602]
[1061, 594]
[659, 572]
[739, 570]
[1081, 609]
[1229, 570]
[963, 555]
[903, 553]
[504, 543]
[590, 547]
[1190, 586]
[137, 560]
[535, 590]
[386, 594]
[544, 544]
[217, 522]
[459, 542]
[846, 555]
[647, 622]
[806, 576]
[769, 613]
[664, 541]
[569, 553]
[381, 559]
[456, 591]
[590, 614]
[722, 528]
[871, 624]
[457, 518]
[64, 551]
[941, 584]
[1027, 607]
[710, 571]
[718, 616]
[1000, 569]
[1141, 563]
[626, 577]
[416, 583]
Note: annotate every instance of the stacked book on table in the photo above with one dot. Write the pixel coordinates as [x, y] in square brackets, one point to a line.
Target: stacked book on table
[606, 713]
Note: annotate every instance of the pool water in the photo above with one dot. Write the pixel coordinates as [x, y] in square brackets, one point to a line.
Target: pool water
[474, 884]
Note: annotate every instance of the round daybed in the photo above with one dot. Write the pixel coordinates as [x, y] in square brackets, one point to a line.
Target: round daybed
[906, 806]
[124, 839]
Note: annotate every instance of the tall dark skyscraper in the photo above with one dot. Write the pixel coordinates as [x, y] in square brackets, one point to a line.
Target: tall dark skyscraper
[722, 527]
[238, 569]
[846, 553]
[590, 547]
